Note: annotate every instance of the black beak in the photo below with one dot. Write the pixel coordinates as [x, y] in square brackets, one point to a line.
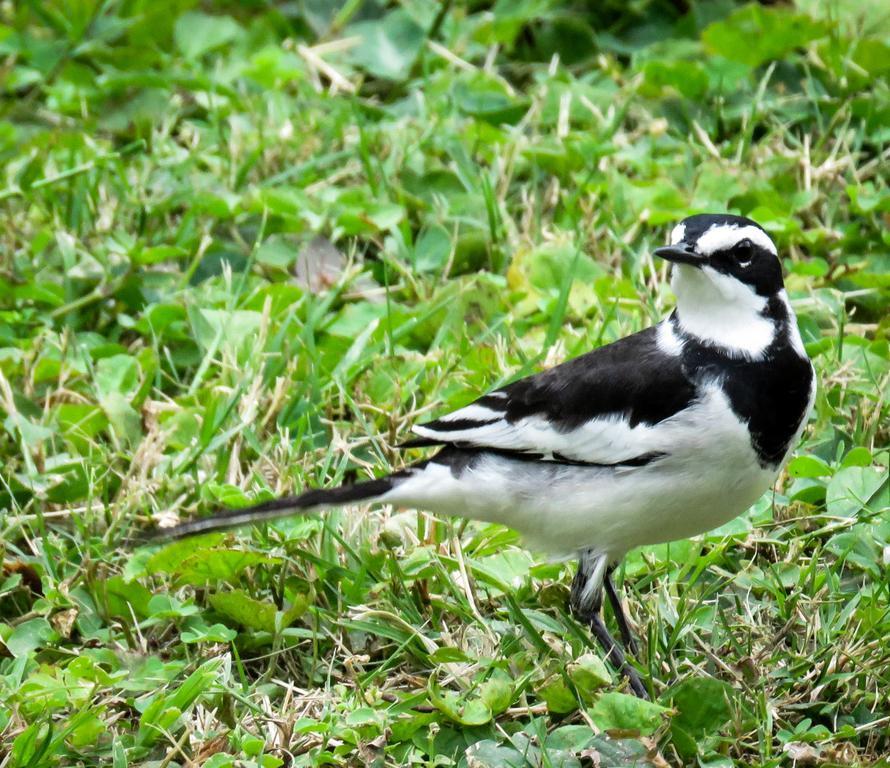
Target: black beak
[680, 254]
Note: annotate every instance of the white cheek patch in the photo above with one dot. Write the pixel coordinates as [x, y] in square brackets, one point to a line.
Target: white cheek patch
[722, 311]
[734, 290]
[678, 233]
[722, 237]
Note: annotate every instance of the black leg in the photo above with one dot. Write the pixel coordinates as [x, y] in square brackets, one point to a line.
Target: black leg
[586, 603]
[630, 644]
[616, 656]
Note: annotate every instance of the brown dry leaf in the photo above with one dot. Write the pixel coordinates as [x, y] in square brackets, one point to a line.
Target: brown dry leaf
[653, 753]
[803, 754]
[371, 752]
[211, 747]
[842, 754]
[63, 621]
[30, 577]
[319, 264]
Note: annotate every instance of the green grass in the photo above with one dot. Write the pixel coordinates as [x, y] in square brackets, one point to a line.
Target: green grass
[246, 245]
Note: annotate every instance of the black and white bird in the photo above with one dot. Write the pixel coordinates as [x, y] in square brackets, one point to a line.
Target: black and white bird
[659, 436]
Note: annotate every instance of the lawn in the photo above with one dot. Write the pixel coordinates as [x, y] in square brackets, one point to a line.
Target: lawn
[246, 245]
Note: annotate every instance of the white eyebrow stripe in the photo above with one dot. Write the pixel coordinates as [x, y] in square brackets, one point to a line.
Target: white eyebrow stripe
[678, 233]
[722, 237]
[471, 412]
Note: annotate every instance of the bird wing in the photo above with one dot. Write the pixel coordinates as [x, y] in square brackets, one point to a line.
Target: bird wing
[601, 408]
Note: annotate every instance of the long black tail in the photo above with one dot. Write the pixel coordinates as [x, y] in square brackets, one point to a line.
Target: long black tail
[283, 507]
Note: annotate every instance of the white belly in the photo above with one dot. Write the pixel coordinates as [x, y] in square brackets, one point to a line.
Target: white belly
[708, 475]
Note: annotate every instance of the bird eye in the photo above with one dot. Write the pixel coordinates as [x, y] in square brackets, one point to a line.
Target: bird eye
[743, 253]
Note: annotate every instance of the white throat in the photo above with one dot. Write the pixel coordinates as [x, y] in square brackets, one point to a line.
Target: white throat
[722, 311]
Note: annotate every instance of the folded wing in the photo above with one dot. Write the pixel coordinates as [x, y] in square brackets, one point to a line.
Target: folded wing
[602, 408]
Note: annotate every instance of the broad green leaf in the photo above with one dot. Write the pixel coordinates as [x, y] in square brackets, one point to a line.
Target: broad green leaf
[86, 727]
[809, 490]
[28, 636]
[687, 77]
[557, 695]
[859, 456]
[432, 249]
[857, 546]
[10, 583]
[509, 568]
[213, 565]
[165, 606]
[865, 199]
[125, 599]
[122, 417]
[79, 422]
[277, 253]
[488, 99]
[354, 318]
[808, 466]
[32, 434]
[852, 488]
[470, 709]
[221, 760]
[117, 375]
[157, 254]
[197, 33]
[238, 606]
[497, 691]
[623, 712]
[872, 55]
[703, 705]
[488, 753]
[448, 654]
[544, 270]
[756, 34]
[219, 328]
[388, 46]
[197, 631]
[612, 752]
[589, 673]
[169, 558]
[232, 496]
[682, 551]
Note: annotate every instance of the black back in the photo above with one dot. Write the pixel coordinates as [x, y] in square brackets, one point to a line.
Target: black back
[630, 377]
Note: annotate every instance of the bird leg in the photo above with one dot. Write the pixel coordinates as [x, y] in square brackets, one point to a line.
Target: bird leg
[630, 643]
[586, 602]
[616, 656]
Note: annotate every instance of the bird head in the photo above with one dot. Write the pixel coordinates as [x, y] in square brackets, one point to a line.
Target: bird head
[727, 250]
[728, 281]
